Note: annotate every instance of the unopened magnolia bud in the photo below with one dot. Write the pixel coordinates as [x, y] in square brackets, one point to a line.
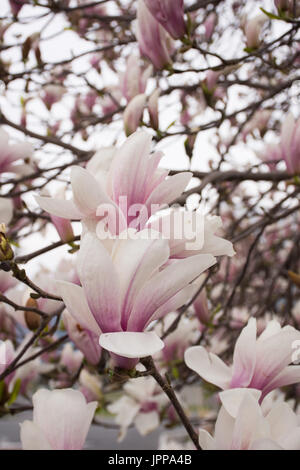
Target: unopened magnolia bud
[32, 319]
[133, 113]
[153, 109]
[6, 252]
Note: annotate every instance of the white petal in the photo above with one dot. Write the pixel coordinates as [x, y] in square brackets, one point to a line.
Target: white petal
[32, 437]
[232, 399]
[206, 441]
[76, 304]
[59, 207]
[146, 422]
[87, 192]
[209, 366]
[130, 344]
[64, 417]
[170, 189]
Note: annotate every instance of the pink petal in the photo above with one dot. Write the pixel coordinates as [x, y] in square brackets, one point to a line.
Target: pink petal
[100, 282]
[76, 304]
[136, 261]
[164, 285]
[244, 357]
[170, 189]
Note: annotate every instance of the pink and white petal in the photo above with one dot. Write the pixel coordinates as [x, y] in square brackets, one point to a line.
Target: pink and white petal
[146, 422]
[131, 344]
[136, 261]
[128, 173]
[206, 441]
[32, 437]
[177, 301]
[209, 366]
[87, 192]
[244, 356]
[248, 423]
[170, 189]
[233, 398]
[76, 304]
[282, 420]
[59, 207]
[287, 130]
[273, 327]
[164, 285]
[224, 430]
[75, 416]
[99, 279]
[218, 246]
[288, 376]
[273, 354]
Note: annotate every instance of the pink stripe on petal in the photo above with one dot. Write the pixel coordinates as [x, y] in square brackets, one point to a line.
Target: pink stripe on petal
[100, 282]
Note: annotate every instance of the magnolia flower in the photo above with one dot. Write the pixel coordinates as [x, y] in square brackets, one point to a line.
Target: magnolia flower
[241, 425]
[170, 14]
[290, 143]
[52, 94]
[61, 421]
[271, 155]
[125, 286]
[140, 405]
[152, 37]
[133, 82]
[259, 121]
[253, 29]
[210, 24]
[261, 363]
[133, 182]
[133, 114]
[10, 153]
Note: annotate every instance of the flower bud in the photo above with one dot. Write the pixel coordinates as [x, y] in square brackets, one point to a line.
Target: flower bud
[170, 14]
[32, 319]
[152, 38]
[153, 109]
[133, 113]
[6, 252]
